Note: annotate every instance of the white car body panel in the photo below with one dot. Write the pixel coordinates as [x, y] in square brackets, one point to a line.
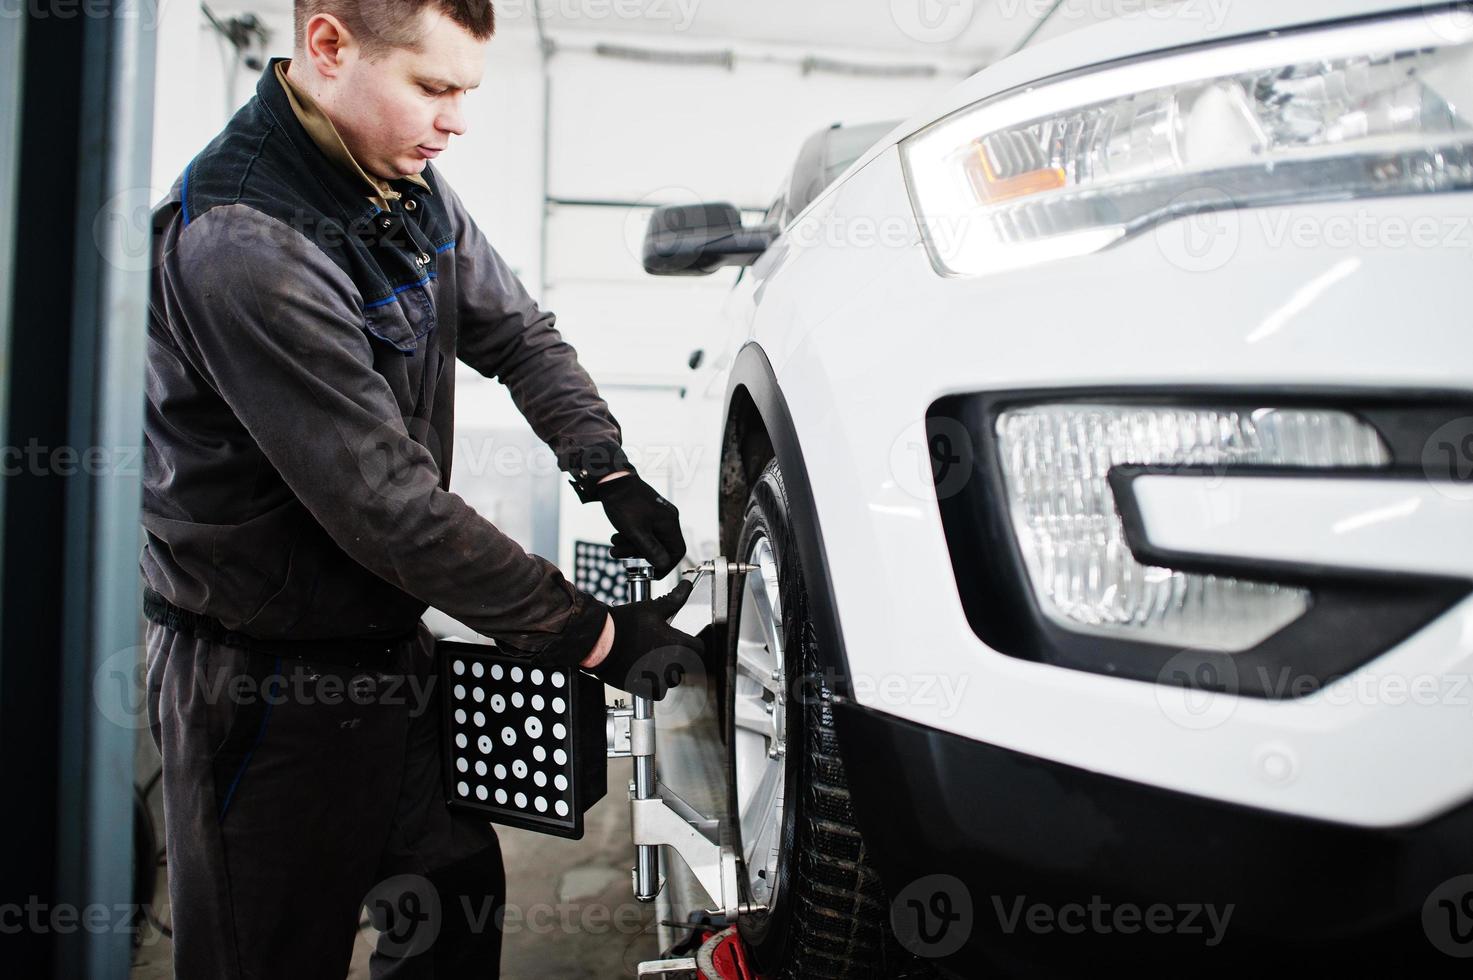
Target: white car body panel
[864, 336]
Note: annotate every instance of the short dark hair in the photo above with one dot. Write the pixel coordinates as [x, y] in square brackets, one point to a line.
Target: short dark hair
[382, 24]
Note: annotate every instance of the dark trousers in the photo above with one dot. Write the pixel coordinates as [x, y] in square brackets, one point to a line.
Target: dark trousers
[297, 794]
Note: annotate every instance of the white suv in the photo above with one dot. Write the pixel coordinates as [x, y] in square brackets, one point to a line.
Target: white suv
[1104, 436]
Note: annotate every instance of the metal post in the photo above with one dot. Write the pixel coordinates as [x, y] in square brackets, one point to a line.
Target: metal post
[647, 856]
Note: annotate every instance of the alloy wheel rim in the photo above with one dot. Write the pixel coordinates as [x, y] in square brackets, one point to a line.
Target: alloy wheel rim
[758, 723]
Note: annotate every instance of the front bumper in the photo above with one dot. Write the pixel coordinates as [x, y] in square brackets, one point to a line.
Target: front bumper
[1062, 868]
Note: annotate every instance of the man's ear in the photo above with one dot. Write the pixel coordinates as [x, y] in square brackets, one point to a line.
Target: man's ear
[329, 44]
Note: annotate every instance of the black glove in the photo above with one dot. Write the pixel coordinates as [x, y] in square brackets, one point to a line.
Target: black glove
[646, 524]
[649, 655]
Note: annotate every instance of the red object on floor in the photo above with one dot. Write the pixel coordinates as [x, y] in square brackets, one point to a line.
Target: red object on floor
[725, 958]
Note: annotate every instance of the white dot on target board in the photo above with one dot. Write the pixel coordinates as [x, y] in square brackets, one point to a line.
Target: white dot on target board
[557, 678]
[501, 797]
[560, 757]
[534, 728]
[485, 744]
[561, 782]
[481, 792]
[498, 703]
[462, 788]
[558, 731]
[496, 672]
[477, 694]
[541, 804]
[539, 753]
[516, 675]
[540, 778]
[460, 716]
[509, 735]
[537, 677]
[459, 692]
[519, 769]
[559, 705]
[462, 765]
[480, 767]
[537, 702]
[521, 799]
[561, 808]
[460, 740]
[517, 699]
[500, 771]
[479, 718]
[458, 666]
[478, 669]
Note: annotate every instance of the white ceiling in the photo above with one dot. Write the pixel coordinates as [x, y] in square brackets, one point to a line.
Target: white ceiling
[974, 31]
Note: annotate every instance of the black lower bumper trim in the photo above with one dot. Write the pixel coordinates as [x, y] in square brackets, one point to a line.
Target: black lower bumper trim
[1061, 868]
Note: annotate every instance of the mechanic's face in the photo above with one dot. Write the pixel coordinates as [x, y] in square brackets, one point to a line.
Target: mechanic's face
[400, 109]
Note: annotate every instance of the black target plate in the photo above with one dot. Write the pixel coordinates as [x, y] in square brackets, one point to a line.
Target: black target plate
[523, 746]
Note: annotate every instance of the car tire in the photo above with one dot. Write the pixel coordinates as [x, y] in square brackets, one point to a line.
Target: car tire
[828, 916]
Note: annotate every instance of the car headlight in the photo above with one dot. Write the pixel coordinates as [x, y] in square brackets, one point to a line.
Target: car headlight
[1074, 165]
[1055, 464]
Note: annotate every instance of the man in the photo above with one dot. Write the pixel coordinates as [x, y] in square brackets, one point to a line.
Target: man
[316, 278]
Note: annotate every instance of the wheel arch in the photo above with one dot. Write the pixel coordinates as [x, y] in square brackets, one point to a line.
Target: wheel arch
[758, 427]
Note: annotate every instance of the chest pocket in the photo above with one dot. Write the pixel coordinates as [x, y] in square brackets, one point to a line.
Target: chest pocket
[403, 320]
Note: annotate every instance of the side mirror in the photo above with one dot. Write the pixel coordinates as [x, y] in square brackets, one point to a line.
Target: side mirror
[698, 239]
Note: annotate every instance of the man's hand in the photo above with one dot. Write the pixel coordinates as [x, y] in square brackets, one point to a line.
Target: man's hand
[646, 525]
[647, 655]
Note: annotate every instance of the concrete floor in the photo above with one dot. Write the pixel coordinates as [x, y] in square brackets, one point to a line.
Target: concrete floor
[578, 918]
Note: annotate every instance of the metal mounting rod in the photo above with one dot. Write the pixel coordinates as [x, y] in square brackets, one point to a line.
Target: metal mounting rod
[646, 856]
[658, 815]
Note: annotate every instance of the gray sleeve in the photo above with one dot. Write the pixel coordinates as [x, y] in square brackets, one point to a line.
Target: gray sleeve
[506, 336]
[277, 328]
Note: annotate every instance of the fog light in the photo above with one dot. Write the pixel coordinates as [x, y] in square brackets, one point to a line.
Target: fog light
[1055, 464]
